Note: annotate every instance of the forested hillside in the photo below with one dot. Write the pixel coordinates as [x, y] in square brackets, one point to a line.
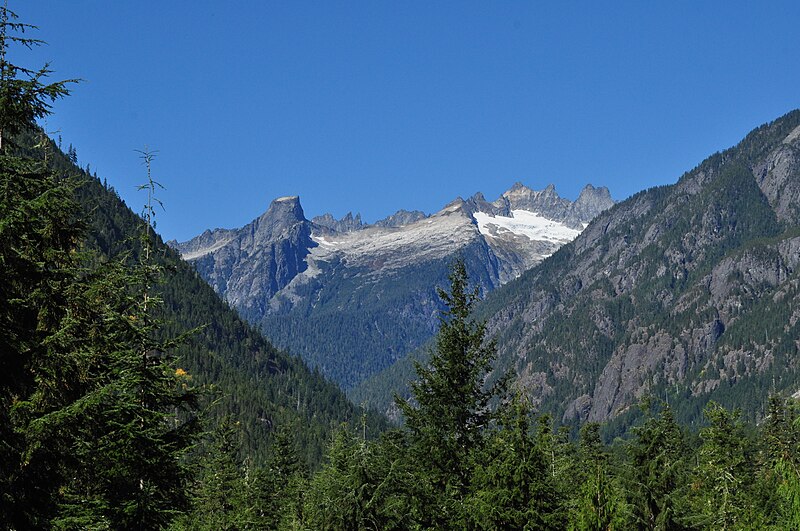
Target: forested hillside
[260, 386]
[458, 464]
[132, 398]
[121, 369]
[687, 292]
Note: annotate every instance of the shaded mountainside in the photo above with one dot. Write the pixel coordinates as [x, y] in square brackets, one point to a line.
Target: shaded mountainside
[256, 384]
[352, 298]
[689, 292]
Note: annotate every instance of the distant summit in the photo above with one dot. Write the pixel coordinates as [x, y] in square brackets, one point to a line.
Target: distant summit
[372, 286]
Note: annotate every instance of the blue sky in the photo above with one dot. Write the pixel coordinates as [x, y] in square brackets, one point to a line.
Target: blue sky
[375, 106]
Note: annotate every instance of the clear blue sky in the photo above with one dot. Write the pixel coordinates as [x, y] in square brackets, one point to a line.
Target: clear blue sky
[374, 106]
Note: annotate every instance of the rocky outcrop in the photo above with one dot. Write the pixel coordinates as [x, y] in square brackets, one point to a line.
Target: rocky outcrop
[347, 224]
[401, 218]
[250, 265]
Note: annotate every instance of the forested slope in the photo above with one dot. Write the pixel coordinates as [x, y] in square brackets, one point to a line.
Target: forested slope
[688, 292]
[257, 384]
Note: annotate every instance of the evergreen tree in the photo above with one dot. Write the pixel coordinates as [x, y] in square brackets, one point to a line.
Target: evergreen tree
[720, 497]
[657, 456]
[363, 485]
[39, 232]
[600, 503]
[134, 424]
[779, 477]
[219, 500]
[287, 477]
[450, 411]
[513, 487]
[24, 95]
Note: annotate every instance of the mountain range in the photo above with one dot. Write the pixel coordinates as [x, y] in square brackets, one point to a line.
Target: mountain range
[687, 293]
[352, 298]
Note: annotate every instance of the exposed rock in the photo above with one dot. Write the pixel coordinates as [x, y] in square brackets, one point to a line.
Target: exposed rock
[682, 289]
[401, 218]
[347, 224]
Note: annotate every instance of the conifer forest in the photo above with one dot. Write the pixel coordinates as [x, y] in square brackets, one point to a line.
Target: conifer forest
[132, 397]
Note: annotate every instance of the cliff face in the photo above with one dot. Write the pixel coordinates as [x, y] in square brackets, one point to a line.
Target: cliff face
[687, 291]
[250, 265]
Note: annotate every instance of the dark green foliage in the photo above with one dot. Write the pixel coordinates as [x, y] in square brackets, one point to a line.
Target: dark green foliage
[38, 232]
[219, 496]
[450, 413]
[600, 501]
[254, 383]
[658, 470]
[24, 95]
[91, 432]
[721, 494]
[514, 483]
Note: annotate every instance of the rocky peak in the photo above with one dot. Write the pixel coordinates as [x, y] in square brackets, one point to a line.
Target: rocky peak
[348, 223]
[546, 202]
[283, 214]
[591, 202]
[478, 203]
[400, 218]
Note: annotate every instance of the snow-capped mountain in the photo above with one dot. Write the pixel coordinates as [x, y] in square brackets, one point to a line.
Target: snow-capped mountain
[353, 297]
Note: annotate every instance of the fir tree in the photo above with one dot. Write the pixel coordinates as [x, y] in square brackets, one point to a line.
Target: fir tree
[720, 497]
[600, 502]
[449, 415]
[513, 487]
[39, 233]
[657, 456]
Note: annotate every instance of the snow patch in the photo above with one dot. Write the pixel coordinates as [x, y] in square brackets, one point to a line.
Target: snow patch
[524, 223]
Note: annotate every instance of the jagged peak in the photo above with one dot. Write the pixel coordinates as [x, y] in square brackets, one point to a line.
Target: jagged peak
[518, 186]
[348, 223]
[594, 191]
[478, 196]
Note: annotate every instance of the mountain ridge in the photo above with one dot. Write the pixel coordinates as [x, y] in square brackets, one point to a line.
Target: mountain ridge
[382, 275]
[661, 286]
[686, 292]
